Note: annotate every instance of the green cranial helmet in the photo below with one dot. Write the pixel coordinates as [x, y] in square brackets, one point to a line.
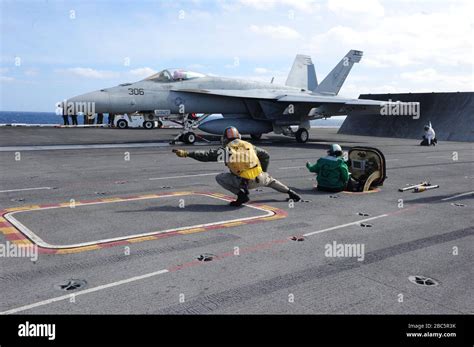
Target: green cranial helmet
[335, 150]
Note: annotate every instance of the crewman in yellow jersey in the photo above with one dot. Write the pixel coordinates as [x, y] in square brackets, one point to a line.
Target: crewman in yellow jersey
[247, 164]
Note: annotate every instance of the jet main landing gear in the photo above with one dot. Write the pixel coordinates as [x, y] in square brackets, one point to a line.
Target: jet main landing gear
[302, 135]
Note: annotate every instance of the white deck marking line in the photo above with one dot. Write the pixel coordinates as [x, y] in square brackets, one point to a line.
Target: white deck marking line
[23, 189]
[457, 196]
[67, 147]
[184, 176]
[91, 146]
[40, 242]
[137, 278]
[85, 291]
[291, 167]
[345, 225]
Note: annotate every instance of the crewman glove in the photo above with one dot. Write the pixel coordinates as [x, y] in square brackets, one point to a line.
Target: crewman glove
[180, 153]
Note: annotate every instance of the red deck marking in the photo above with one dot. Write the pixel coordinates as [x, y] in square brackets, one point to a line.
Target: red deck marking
[15, 236]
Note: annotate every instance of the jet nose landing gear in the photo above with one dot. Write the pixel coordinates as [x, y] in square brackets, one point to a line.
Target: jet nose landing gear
[189, 137]
[189, 122]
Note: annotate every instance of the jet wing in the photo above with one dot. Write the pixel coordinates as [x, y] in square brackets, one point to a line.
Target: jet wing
[317, 105]
[321, 99]
[277, 95]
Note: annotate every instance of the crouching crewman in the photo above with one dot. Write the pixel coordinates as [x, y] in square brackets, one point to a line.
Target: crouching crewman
[247, 163]
[429, 137]
[332, 171]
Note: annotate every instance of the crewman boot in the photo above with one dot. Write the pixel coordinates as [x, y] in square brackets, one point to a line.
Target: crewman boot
[293, 196]
[242, 198]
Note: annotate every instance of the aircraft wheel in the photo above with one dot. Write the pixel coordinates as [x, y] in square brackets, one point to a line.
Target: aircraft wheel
[302, 135]
[256, 136]
[148, 125]
[189, 138]
[122, 124]
[160, 124]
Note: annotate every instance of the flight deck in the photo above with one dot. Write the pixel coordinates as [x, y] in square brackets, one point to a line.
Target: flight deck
[124, 226]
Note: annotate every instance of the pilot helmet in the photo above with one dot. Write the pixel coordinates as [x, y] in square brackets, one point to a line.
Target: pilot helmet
[335, 150]
[230, 133]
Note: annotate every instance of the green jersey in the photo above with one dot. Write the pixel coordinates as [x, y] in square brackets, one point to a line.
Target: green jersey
[332, 172]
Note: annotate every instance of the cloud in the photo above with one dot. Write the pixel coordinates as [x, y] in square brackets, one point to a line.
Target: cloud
[275, 31]
[196, 66]
[404, 39]
[303, 5]
[142, 72]
[6, 79]
[351, 7]
[433, 78]
[261, 70]
[31, 72]
[90, 73]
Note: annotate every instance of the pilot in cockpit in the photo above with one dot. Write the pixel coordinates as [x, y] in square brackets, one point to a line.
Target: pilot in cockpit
[179, 75]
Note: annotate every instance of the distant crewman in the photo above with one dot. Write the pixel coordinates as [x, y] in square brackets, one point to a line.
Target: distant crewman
[111, 119]
[100, 118]
[65, 119]
[247, 163]
[332, 171]
[74, 119]
[429, 138]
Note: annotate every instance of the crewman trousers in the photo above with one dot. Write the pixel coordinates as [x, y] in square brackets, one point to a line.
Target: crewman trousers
[234, 183]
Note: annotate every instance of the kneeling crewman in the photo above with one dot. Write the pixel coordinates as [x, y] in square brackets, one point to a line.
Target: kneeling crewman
[247, 163]
[429, 137]
[332, 171]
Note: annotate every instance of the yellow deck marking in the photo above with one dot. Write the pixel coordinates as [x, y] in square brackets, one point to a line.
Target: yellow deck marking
[112, 199]
[9, 230]
[22, 242]
[192, 231]
[232, 224]
[78, 249]
[141, 239]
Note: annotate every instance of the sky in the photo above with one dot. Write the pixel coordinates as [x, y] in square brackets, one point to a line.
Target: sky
[52, 50]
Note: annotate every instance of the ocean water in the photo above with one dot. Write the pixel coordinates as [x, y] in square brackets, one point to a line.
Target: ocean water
[8, 117]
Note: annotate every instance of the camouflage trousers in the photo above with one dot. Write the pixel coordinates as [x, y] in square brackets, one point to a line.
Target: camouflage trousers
[234, 183]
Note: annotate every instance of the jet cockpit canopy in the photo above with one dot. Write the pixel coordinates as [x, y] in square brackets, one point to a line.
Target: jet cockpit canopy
[174, 75]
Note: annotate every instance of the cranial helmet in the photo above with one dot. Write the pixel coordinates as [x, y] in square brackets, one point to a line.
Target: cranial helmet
[335, 150]
[231, 133]
[427, 127]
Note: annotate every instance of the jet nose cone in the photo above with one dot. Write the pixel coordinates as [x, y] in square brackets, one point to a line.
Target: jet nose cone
[90, 103]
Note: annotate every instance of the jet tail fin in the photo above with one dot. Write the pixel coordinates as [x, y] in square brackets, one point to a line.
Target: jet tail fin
[335, 79]
[302, 74]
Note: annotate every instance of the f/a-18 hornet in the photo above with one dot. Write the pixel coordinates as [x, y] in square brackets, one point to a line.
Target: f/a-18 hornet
[255, 108]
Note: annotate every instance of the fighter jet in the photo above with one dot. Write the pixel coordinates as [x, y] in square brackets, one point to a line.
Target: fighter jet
[255, 108]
